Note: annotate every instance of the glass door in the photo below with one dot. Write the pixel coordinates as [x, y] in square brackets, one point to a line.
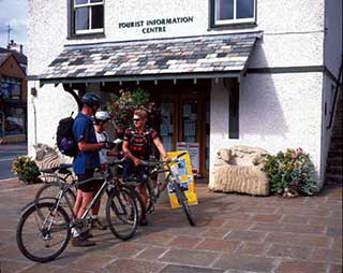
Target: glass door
[189, 121]
[167, 130]
[184, 118]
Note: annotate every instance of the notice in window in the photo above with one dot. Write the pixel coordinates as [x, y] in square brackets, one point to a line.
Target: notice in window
[193, 149]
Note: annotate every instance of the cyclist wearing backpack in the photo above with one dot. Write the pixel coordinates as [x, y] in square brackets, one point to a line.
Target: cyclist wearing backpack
[86, 160]
[137, 147]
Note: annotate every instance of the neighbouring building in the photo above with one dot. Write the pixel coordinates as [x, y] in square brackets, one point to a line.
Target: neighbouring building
[223, 72]
[13, 95]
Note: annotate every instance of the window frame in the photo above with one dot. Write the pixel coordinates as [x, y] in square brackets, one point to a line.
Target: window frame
[89, 30]
[215, 22]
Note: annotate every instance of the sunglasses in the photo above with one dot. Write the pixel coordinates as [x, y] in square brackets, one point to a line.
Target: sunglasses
[136, 119]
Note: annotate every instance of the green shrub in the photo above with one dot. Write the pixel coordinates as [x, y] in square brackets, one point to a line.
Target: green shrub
[292, 171]
[26, 169]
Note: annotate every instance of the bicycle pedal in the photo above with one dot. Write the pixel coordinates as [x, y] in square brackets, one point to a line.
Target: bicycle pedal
[77, 223]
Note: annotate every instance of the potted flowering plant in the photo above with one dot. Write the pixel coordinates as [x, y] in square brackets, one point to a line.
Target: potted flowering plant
[291, 173]
[26, 169]
[123, 105]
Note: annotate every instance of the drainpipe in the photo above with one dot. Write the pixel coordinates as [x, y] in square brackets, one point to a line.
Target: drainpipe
[33, 96]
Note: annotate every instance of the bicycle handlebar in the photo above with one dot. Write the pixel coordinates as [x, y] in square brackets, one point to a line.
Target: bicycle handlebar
[160, 163]
[116, 162]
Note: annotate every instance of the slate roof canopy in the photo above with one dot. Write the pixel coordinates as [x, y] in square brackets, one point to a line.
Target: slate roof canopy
[154, 58]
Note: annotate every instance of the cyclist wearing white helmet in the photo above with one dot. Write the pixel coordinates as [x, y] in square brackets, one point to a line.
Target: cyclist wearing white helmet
[102, 116]
[100, 121]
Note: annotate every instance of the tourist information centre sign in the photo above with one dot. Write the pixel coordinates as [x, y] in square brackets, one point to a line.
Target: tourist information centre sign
[156, 25]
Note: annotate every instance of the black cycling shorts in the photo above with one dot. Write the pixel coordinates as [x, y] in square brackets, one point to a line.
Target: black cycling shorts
[91, 186]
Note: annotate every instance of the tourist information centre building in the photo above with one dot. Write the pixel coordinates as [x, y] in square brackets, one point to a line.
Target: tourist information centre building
[223, 72]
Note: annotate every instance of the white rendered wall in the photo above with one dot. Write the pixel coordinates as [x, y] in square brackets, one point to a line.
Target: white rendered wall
[51, 105]
[47, 33]
[293, 36]
[272, 115]
[273, 17]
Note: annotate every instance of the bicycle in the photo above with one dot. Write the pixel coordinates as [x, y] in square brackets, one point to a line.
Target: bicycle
[173, 185]
[51, 190]
[47, 221]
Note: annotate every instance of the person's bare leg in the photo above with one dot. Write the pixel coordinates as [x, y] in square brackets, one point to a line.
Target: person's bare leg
[78, 202]
[80, 240]
[143, 193]
[86, 199]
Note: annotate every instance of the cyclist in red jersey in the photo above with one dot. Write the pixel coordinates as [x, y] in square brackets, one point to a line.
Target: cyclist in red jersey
[137, 147]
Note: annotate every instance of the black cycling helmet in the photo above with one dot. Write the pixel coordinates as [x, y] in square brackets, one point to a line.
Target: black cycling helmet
[91, 100]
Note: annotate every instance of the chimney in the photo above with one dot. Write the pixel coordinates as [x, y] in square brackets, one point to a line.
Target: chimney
[13, 46]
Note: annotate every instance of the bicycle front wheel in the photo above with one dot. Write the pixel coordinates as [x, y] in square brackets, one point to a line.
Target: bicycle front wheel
[43, 239]
[182, 199]
[49, 193]
[122, 214]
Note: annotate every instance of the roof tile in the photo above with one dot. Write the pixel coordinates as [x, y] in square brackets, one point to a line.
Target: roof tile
[186, 55]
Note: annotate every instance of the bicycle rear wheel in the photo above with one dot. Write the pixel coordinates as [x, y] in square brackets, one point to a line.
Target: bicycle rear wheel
[121, 213]
[42, 239]
[182, 199]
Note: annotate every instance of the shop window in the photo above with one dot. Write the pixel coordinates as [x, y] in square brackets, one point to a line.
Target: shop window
[232, 12]
[88, 16]
[10, 88]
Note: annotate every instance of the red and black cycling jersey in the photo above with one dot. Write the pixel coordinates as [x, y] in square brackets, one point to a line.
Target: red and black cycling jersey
[140, 141]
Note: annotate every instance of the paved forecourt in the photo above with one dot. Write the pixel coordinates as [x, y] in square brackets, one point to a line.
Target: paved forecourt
[234, 234]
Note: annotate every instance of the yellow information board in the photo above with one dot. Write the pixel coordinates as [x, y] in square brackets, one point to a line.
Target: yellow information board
[184, 170]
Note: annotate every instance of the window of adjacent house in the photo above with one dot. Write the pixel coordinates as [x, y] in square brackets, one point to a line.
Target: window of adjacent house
[234, 11]
[88, 16]
[10, 88]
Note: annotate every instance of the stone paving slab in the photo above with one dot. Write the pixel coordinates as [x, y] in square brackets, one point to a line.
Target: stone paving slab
[234, 234]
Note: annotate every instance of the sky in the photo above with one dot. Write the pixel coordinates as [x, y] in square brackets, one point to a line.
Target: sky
[15, 14]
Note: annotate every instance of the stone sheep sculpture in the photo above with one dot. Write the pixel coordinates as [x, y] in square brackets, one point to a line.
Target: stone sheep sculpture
[238, 169]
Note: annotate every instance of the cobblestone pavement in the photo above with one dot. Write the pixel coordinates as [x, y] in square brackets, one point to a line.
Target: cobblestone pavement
[234, 234]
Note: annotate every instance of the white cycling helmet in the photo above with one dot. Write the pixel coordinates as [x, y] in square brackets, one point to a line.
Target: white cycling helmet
[102, 116]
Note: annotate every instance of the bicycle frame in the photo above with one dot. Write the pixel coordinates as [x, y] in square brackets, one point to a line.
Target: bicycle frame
[65, 187]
